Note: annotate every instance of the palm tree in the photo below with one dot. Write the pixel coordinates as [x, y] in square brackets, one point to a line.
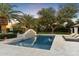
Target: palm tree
[28, 21]
[8, 13]
[67, 12]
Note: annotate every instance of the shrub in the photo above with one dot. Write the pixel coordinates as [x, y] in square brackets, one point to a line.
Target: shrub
[8, 35]
[18, 31]
[62, 29]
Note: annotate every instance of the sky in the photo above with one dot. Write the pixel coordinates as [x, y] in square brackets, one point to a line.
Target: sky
[32, 9]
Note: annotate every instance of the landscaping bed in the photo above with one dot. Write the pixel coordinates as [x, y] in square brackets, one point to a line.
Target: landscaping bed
[7, 36]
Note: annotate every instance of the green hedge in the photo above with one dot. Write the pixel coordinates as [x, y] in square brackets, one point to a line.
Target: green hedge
[8, 35]
[61, 33]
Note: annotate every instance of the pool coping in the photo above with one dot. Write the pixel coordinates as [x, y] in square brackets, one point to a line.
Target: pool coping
[20, 38]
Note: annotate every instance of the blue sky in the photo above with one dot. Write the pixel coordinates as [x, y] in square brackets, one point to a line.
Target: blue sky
[32, 9]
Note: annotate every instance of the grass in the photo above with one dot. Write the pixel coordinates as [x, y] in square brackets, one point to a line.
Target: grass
[53, 33]
[61, 33]
[44, 32]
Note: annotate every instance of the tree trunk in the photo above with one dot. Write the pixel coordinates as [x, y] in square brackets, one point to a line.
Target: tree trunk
[52, 29]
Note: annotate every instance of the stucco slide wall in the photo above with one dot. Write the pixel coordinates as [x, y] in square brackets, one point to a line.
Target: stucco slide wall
[29, 33]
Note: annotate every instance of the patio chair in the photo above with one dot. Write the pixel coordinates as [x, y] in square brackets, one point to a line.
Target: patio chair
[71, 35]
[74, 38]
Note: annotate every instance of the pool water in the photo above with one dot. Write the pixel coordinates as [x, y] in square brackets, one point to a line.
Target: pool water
[41, 42]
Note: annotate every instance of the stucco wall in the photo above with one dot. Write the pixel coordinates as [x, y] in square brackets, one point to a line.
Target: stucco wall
[29, 33]
[76, 30]
[3, 28]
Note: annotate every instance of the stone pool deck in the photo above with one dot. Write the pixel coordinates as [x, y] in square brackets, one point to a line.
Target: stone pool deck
[60, 47]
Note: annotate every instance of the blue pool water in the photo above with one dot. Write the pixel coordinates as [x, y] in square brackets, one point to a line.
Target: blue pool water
[42, 42]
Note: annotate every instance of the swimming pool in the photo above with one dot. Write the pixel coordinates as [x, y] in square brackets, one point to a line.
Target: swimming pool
[40, 41]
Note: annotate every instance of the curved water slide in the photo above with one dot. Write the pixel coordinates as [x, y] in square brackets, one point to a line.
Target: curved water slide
[28, 34]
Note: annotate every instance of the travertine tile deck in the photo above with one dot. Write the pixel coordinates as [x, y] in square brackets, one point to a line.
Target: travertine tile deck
[59, 47]
[66, 48]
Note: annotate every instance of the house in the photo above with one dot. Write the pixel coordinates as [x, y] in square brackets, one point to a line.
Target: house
[75, 29]
[3, 24]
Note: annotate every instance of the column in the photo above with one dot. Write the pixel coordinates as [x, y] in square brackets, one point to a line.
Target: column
[71, 30]
[76, 30]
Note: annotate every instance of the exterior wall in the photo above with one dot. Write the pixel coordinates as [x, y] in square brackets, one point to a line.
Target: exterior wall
[76, 30]
[3, 23]
[9, 26]
[3, 28]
